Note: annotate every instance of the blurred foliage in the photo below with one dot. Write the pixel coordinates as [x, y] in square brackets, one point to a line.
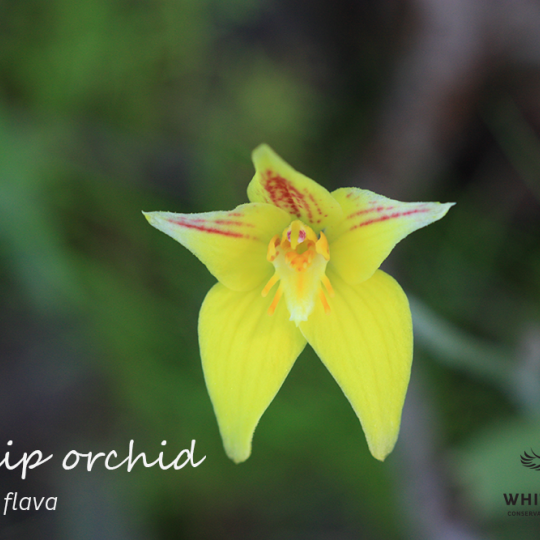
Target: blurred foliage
[110, 107]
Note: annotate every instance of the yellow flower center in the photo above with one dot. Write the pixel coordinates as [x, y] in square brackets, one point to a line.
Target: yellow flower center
[300, 259]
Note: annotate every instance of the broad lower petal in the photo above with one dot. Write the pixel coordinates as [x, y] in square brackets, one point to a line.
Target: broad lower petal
[246, 356]
[231, 244]
[371, 227]
[276, 182]
[365, 341]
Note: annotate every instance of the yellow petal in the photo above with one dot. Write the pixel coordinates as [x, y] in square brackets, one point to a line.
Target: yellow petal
[365, 341]
[277, 183]
[373, 225]
[231, 244]
[246, 356]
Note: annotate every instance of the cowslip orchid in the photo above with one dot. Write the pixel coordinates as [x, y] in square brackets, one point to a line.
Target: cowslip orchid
[296, 265]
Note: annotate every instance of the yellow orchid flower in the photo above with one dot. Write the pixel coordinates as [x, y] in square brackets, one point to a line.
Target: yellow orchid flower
[321, 252]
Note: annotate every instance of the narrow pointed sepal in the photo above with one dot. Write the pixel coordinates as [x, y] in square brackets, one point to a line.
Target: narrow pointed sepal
[371, 227]
[365, 341]
[232, 244]
[276, 182]
[246, 356]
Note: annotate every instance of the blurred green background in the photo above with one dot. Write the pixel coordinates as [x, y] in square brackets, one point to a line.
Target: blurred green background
[110, 107]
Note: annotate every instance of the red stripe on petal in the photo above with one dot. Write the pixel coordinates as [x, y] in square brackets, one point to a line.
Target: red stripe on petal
[378, 209]
[196, 224]
[390, 216]
[232, 222]
[314, 201]
[282, 193]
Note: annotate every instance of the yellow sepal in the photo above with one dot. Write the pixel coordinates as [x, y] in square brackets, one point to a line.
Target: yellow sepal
[276, 182]
[231, 244]
[246, 356]
[365, 340]
[371, 227]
